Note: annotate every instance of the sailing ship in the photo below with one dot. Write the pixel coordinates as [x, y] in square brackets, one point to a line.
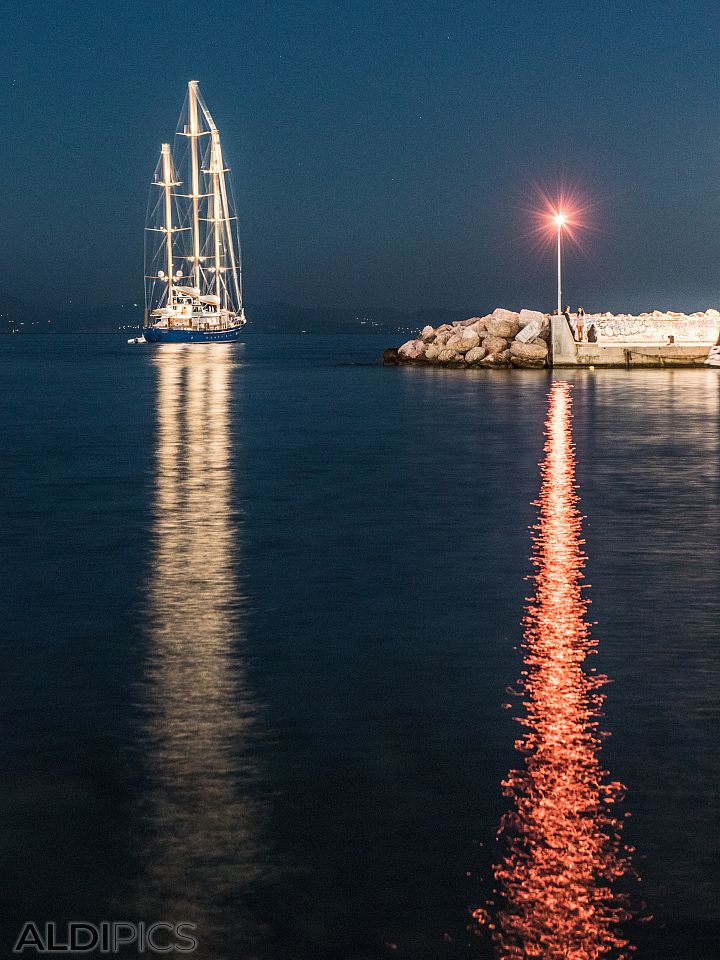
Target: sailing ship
[193, 280]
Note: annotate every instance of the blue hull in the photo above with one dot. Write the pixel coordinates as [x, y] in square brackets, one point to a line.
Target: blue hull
[154, 335]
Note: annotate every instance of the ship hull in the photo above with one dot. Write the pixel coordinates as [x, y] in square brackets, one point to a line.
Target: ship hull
[175, 335]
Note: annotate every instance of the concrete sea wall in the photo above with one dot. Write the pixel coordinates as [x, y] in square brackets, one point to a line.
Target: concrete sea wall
[654, 339]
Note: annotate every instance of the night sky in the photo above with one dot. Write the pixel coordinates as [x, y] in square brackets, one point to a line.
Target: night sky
[384, 153]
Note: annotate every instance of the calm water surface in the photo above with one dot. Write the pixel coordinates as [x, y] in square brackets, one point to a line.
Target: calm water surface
[261, 609]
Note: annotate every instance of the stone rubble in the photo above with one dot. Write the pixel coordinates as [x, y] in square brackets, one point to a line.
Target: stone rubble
[503, 338]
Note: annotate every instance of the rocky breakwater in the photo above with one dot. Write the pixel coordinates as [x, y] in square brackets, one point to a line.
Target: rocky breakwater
[503, 338]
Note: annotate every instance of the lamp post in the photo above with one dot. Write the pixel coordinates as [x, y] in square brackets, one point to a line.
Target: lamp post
[560, 221]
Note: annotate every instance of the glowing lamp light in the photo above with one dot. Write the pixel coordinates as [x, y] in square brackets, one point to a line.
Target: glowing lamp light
[161, 274]
[560, 220]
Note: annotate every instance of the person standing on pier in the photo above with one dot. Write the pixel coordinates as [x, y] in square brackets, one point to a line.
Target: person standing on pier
[580, 324]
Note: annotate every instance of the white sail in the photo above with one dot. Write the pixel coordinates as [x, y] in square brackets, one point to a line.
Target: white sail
[192, 251]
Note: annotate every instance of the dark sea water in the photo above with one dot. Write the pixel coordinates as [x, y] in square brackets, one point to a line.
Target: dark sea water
[261, 607]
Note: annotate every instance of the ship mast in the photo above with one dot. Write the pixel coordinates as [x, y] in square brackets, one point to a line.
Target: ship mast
[195, 176]
[216, 167]
[218, 205]
[167, 184]
[234, 266]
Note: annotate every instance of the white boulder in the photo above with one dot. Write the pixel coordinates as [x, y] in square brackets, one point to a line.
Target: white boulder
[528, 354]
[499, 313]
[463, 343]
[412, 350]
[494, 345]
[474, 356]
[450, 357]
[500, 327]
[530, 316]
[530, 331]
[494, 360]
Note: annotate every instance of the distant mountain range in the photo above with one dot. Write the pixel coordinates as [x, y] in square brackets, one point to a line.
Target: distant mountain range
[17, 316]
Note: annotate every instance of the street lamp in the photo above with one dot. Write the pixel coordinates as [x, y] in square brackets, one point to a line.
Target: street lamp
[560, 221]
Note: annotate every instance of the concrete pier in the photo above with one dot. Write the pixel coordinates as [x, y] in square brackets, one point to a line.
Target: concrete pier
[643, 341]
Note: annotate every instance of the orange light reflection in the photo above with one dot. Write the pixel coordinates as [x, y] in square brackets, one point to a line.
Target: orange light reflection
[556, 894]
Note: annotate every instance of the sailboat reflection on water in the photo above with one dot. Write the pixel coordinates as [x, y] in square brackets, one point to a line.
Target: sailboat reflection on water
[202, 809]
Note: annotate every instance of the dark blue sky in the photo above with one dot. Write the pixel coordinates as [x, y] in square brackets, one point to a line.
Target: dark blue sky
[383, 152]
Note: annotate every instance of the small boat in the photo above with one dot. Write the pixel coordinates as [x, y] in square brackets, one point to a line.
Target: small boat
[713, 357]
[193, 286]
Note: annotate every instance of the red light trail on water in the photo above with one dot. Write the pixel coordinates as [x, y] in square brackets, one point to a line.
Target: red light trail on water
[563, 854]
